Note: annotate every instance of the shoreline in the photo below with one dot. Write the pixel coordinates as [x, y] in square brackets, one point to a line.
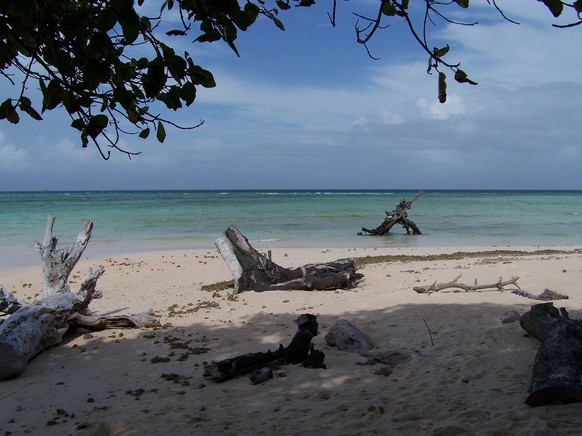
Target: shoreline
[21, 257]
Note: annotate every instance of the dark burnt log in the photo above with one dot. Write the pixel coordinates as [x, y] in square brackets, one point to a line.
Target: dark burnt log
[299, 350]
[398, 216]
[557, 370]
[255, 271]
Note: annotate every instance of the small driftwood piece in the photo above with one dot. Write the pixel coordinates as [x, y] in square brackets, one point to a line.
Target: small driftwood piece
[398, 216]
[557, 370]
[8, 303]
[33, 328]
[435, 287]
[546, 295]
[299, 350]
[254, 271]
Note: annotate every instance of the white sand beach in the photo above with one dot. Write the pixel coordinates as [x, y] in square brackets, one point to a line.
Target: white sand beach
[468, 372]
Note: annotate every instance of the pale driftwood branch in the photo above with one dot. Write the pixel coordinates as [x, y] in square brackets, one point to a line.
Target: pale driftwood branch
[32, 329]
[435, 287]
[59, 263]
[546, 295]
[88, 291]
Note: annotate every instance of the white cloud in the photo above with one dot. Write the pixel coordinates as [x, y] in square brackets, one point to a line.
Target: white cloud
[437, 111]
[12, 157]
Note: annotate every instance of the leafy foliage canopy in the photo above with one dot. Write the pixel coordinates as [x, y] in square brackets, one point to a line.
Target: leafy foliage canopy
[112, 65]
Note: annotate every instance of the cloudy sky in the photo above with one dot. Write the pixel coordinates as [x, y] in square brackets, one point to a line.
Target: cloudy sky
[308, 109]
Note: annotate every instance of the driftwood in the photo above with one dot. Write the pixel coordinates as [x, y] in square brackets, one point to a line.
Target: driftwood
[557, 370]
[300, 350]
[435, 287]
[501, 285]
[546, 295]
[8, 303]
[255, 271]
[31, 329]
[398, 216]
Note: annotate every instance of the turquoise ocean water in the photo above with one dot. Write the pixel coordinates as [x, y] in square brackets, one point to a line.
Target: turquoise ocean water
[145, 220]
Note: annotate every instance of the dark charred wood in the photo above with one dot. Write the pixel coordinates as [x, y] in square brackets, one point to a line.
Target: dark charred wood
[398, 216]
[557, 370]
[255, 271]
[300, 350]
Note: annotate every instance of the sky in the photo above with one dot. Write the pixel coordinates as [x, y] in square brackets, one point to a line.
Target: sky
[307, 108]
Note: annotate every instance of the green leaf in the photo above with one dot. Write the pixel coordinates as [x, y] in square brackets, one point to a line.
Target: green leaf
[78, 124]
[144, 133]
[154, 80]
[283, 5]
[128, 19]
[200, 76]
[4, 107]
[188, 93]
[32, 113]
[278, 23]
[96, 125]
[100, 120]
[440, 52]
[175, 33]
[442, 87]
[52, 95]
[555, 6]
[463, 3]
[171, 98]
[461, 77]
[9, 112]
[388, 9]
[161, 132]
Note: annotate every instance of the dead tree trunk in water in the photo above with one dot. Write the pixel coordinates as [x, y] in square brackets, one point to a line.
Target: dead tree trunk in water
[557, 370]
[32, 329]
[397, 216]
[255, 271]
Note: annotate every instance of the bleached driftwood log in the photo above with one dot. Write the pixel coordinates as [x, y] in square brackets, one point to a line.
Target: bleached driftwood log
[557, 370]
[252, 270]
[32, 329]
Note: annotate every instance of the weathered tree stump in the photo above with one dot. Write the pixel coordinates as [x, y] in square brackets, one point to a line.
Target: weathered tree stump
[299, 350]
[32, 329]
[398, 216]
[255, 271]
[557, 370]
